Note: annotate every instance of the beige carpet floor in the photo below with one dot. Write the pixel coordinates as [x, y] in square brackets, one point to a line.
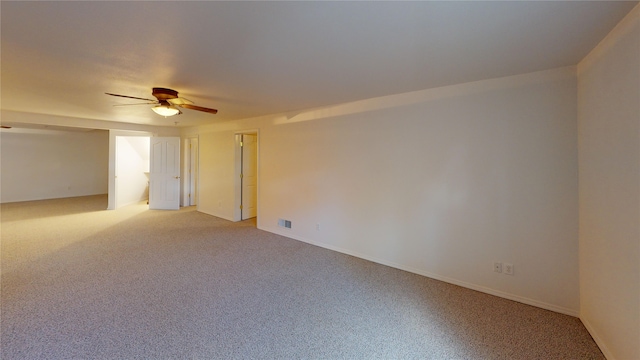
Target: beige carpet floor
[80, 282]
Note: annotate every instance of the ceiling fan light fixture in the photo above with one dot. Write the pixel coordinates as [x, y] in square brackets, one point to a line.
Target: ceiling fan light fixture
[165, 110]
[168, 102]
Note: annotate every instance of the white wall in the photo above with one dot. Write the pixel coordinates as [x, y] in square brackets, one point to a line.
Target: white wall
[132, 168]
[36, 162]
[441, 182]
[609, 153]
[47, 164]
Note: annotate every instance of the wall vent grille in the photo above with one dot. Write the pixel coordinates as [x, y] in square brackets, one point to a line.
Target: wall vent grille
[284, 223]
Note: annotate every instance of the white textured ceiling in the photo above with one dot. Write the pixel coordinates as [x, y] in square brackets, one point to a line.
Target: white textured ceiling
[255, 58]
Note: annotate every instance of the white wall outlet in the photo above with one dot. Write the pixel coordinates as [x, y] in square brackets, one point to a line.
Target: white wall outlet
[497, 267]
[508, 269]
[318, 227]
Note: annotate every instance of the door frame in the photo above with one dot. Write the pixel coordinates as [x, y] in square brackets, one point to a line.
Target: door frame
[111, 191]
[237, 212]
[119, 184]
[188, 179]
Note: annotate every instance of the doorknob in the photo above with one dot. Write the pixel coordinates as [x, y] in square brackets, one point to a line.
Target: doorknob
[177, 177]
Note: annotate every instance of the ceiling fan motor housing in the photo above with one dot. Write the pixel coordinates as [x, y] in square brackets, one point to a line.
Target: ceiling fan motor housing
[164, 94]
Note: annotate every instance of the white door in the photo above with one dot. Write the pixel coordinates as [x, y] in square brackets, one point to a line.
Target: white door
[249, 175]
[164, 174]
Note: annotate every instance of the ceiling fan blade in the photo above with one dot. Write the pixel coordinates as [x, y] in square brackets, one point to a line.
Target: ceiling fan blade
[198, 108]
[130, 97]
[147, 103]
[180, 101]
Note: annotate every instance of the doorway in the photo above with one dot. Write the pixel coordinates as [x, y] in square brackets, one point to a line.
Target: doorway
[247, 176]
[127, 167]
[131, 170]
[190, 172]
[161, 169]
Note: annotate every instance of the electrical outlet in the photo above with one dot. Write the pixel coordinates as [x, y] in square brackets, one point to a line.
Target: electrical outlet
[497, 267]
[318, 227]
[508, 269]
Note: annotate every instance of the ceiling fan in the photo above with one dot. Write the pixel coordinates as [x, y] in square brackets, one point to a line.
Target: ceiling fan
[168, 102]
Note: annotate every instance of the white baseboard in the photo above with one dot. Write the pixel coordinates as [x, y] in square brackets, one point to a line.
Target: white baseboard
[594, 334]
[486, 290]
[214, 214]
